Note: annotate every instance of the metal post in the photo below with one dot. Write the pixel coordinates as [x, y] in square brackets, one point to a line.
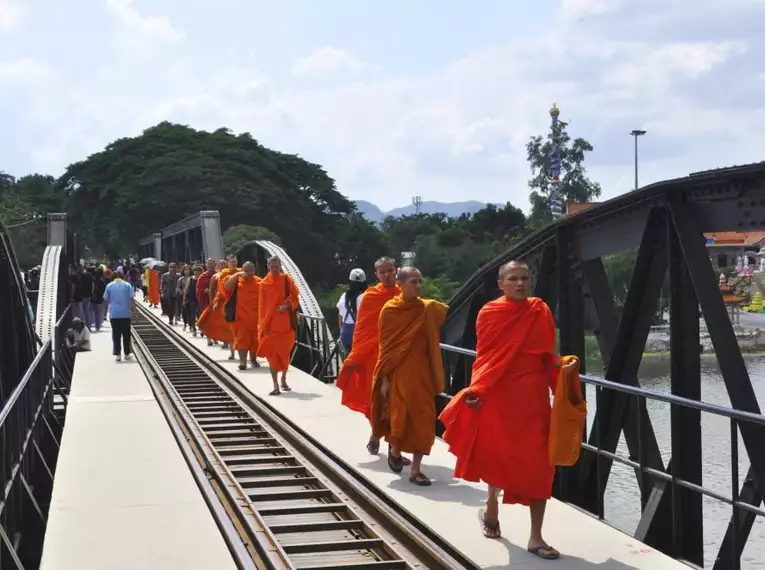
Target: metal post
[635, 134]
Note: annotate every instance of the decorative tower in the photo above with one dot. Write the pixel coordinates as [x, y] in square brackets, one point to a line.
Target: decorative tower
[556, 128]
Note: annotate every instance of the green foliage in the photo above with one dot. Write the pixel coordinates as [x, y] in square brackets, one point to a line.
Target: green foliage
[237, 236]
[619, 267]
[574, 185]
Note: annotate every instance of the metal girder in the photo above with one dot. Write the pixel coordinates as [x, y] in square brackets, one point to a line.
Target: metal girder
[729, 358]
[685, 366]
[613, 414]
[601, 298]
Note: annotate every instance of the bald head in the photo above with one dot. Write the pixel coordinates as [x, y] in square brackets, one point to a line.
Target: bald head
[515, 280]
[410, 281]
[249, 268]
[385, 271]
[274, 265]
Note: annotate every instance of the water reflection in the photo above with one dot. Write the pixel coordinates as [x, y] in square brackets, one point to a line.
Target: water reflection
[622, 500]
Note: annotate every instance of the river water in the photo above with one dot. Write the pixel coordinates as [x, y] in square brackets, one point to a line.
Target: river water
[622, 500]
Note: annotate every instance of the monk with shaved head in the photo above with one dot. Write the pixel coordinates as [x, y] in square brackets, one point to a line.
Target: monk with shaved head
[499, 426]
[409, 374]
[355, 378]
[243, 290]
[203, 289]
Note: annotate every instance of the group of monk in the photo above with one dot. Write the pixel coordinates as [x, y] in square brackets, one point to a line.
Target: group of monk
[498, 427]
[252, 317]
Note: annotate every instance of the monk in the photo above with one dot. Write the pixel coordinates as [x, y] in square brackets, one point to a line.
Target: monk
[219, 300]
[355, 377]
[245, 325]
[211, 321]
[408, 375]
[499, 426]
[203, 289]
[153, 287]
[279, 300]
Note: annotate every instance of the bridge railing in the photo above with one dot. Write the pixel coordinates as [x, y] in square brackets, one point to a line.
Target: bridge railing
[27, 459]
[733, 545]
[315, 351]
[63, 356]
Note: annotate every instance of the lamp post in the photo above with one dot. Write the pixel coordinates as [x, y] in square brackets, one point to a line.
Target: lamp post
[635, 134]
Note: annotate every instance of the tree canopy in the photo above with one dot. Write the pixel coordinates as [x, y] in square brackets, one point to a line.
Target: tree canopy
[573, 186]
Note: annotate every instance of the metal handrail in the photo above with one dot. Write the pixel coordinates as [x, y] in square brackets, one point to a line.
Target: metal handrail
[640, 396]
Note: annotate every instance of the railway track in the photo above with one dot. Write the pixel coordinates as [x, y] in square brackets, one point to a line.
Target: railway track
[280, 499]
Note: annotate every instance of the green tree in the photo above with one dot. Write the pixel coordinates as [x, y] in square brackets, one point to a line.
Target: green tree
[237, 236]
[138, 185]
[574, 185]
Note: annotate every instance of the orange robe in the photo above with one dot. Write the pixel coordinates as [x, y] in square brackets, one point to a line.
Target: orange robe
[410, 356]
[212, 322]
[505, 442]
[153, 288]
[245, 326]
[275, 334]
[355, 378]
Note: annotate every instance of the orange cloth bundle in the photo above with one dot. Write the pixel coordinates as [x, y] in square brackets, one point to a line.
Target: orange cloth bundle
[568, 417]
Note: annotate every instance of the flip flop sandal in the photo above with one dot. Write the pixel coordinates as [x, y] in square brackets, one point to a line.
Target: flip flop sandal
[395, 463]
[286, 388]
[489, 530]
[231, 357]
[256, 365]
[405, 461]
[421, 480]
[373, 446]
[242, 367]
[274, 393]
[545, 551]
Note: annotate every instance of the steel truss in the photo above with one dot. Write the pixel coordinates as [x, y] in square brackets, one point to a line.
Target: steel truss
[30, 427]
[665, 221]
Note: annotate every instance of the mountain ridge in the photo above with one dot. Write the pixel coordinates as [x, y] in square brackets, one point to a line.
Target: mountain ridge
[452, 209]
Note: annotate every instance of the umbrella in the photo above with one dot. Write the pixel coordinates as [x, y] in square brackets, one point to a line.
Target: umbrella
[157, 264]
[146, 260]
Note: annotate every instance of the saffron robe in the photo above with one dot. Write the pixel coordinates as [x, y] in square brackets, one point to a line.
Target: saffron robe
[276, 337]
[245, 326]
[212, 321]
[355, 378]
[153, 286]
[505, 442]
[202, 293]
[410, 357]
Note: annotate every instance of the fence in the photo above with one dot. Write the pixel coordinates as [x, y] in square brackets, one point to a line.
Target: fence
[457, 360]
[315, 351]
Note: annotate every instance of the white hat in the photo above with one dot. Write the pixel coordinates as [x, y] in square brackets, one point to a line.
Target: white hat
[357, 275]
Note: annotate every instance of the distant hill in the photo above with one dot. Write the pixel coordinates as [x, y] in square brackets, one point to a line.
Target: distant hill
[451, 209]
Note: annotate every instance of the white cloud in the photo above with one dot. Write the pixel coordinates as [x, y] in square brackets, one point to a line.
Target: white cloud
[325, 62]
[24, 72]
[10, 15]
[156, 27]
[459, 131]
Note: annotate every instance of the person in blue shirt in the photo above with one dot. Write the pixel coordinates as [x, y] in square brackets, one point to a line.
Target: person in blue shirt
[121, 298]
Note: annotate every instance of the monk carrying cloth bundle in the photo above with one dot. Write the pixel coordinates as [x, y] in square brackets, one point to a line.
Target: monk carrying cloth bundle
[568, 417]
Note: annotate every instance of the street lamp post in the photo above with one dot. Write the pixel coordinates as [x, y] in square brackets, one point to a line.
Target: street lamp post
[635, 134]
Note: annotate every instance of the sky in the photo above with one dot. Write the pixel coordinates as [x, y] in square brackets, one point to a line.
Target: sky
[434, 98]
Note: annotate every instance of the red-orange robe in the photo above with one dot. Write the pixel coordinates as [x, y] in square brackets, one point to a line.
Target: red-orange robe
[355, 378]
[202, 295]
[505, 442]
[153, 288]
[245, 326]
[410, 357]
[211, 322]
[276, 336]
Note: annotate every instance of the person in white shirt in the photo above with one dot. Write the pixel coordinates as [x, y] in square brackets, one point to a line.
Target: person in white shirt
[348, 306]
[78, 337]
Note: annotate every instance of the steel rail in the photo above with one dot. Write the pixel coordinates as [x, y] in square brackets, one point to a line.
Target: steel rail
[293, 504]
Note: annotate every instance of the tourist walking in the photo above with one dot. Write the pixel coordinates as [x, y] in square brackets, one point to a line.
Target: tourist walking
[121, 298]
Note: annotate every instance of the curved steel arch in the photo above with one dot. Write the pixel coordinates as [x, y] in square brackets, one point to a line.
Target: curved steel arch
[726, 199]
[52, 299]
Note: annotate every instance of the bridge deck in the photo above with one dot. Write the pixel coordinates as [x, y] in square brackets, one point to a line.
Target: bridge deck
[449, 507]
[123, 496]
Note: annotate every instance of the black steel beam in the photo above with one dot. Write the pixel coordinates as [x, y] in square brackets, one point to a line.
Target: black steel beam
[571, 334]
[742, 523]
[602, 300]
[614, 413]
[729, 357]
